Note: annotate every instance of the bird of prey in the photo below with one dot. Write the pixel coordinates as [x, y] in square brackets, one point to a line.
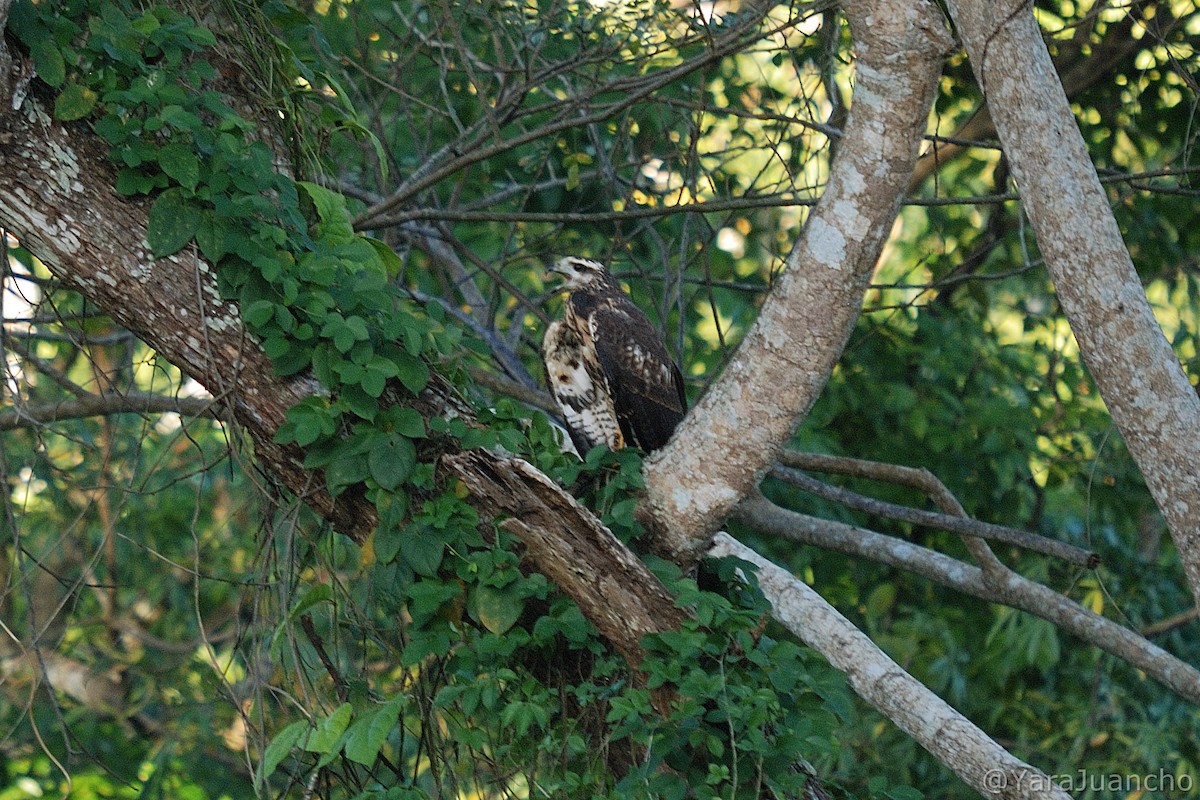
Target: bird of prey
[608, 369]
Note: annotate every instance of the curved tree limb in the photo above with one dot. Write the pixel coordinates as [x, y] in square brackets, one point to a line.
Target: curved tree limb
[1012, 590]
[952, 518]
[1139, 376]
[612, 587]
[66, 213]
[786, 358]
[952, 738]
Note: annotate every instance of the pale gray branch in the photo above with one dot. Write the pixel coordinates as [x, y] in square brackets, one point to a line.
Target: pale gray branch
[930, 720]
[1140, 378]
[960, 524]
[715, 458]
[1011, 589]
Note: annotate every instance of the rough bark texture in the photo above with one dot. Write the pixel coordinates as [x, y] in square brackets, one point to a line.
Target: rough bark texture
[56, 196]
[1139, 377]
[952, 738]
[610, 584]
[728, 441]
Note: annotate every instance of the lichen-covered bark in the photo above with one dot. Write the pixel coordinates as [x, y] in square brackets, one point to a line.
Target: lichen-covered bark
[726, 444]
[952, 738]
[1139, 377]
[56, 196]
[1005, 587]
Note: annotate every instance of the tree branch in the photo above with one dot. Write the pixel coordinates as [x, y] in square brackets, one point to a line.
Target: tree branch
[66, 213]
[96, 405]
[1078, 74]
[471, 148]
[1011, 589]
[1140, 378]
[913, 477]
[879, 680]
[786, 358]
[612, 587]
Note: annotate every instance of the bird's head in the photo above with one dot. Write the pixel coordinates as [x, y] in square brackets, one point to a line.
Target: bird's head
[579, 273]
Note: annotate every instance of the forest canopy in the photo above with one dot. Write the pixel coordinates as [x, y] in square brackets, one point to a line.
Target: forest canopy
[274, 492]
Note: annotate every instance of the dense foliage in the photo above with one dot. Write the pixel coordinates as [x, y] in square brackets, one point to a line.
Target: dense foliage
[472, 142]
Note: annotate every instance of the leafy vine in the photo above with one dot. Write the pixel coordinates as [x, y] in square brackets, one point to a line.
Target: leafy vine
[321, 298]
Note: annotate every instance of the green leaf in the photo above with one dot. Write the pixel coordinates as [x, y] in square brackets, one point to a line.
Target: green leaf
[345, 471]
[427, 599]
[412, 371]
[359, 402]
[387, 545]
[333, 221]
[391, 461]
[172, 224]
[329, 730]
[368, 733]
[387, 536]
[422, 550]
[74, 102]
[387, 257]
[408, 422]
[48, 62]
[201, 36]
[498, 609]
[146, 24]
[287, 358]
[182, 120]
[131, 181]
[180, 163]
[318, 593]
[279, 747]
[259, 313]
[307, 421]
[213, 236]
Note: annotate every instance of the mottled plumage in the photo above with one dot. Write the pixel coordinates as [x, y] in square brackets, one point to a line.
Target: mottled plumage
[607, 367]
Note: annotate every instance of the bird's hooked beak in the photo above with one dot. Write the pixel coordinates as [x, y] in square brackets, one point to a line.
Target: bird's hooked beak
[556, 271]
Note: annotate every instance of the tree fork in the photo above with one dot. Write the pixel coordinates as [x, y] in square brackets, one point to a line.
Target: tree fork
[714, 460]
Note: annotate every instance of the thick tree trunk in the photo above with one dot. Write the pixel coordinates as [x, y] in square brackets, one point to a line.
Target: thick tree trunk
[1139, 376]
[56, 196]
[730, 439]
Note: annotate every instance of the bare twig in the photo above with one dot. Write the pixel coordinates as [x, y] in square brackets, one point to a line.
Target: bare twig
[96, 405]
[470, 148]
[1171, 623]
[925, 481]
[1011, 589]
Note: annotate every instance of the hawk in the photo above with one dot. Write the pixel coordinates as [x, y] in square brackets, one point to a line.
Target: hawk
[608, 369]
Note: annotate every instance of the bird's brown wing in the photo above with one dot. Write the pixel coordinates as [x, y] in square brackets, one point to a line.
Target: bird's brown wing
[646, 385]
